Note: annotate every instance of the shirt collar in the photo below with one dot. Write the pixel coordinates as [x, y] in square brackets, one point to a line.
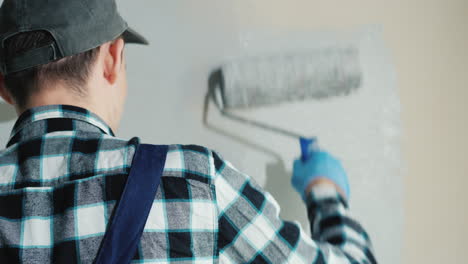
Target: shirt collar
[43, 113]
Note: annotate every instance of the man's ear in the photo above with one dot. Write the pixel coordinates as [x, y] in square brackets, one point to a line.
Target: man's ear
[113, 59]
[4, 92]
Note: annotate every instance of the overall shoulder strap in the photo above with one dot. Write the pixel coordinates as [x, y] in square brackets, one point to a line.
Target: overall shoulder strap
[124, 232]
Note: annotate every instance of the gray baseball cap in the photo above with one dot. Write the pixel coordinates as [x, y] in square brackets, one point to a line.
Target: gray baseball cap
[76, 26]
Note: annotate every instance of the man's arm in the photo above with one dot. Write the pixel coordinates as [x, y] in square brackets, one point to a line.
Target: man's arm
[250, 229]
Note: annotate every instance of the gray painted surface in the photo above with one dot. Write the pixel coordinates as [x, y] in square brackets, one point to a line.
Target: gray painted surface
[168, 81]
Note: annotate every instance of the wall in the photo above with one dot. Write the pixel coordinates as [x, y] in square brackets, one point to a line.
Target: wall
[169, 81]
[427, 40]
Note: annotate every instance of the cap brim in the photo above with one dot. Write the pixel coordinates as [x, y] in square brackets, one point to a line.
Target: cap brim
[131, 36]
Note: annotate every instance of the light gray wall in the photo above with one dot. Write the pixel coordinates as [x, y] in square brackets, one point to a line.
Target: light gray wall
[168, 82]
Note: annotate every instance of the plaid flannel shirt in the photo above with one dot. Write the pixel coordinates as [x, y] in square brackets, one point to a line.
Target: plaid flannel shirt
[63, 172]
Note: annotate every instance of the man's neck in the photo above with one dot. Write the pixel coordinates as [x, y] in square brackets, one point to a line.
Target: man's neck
[58, 97]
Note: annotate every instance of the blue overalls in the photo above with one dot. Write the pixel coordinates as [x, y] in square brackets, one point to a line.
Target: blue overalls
[129, 218]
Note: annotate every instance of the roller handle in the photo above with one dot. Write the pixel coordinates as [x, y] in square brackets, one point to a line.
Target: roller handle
[306, 144]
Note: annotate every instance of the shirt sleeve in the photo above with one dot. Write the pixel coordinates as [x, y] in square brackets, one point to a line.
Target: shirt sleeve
[251, 231]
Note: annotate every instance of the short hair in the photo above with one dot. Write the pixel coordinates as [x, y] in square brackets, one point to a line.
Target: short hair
[73, 70]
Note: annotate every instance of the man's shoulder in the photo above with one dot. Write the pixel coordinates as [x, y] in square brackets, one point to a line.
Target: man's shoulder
[192, 162]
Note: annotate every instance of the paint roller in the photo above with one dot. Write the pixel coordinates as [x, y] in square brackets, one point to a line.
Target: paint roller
[270, 80]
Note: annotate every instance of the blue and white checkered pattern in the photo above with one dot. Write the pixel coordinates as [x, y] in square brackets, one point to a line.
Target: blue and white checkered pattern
[63, 172]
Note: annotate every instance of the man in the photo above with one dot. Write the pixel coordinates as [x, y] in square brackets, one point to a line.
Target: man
[63, 171]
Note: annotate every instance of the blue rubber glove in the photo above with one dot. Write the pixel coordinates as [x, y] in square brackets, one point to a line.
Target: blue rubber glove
[320, 165]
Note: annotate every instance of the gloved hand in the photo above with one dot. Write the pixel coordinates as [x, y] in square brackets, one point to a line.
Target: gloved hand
[320, 165]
